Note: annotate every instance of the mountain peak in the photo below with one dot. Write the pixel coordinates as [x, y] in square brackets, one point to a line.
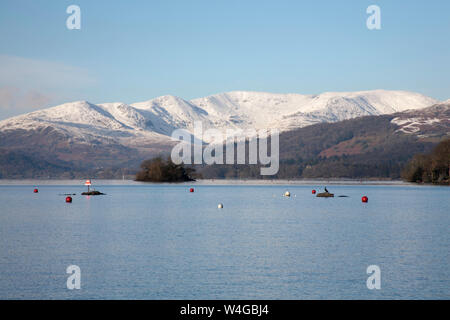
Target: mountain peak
[166, 99]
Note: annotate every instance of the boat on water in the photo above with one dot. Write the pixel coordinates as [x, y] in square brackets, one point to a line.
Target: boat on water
[325, 195]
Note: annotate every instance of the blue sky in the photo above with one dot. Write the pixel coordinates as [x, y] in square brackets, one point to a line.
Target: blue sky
[136, 50]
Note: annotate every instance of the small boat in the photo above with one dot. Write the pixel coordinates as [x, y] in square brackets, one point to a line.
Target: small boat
[325, 195]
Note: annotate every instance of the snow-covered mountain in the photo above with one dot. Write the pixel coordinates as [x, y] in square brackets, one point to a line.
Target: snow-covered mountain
[151, 122]
[84, 137]
[288, 111]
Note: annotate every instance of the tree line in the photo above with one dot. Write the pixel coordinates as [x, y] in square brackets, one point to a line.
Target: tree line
[433, 167]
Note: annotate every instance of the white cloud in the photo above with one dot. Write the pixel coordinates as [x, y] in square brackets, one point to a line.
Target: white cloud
[13, 99]
[29, 84]
[24, 72]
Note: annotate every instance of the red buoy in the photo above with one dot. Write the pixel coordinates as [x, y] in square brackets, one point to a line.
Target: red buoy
[35, 190]
[365, 199]
[191, 190]
[313, 192]
[69, 199]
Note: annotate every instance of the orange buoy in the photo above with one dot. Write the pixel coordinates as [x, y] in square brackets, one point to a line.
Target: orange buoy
[68, 199]
[35, 190]
[365, 199]
[313, 192]
[191, 190]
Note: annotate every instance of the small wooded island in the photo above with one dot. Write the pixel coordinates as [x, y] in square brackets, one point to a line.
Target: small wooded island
[161, 170]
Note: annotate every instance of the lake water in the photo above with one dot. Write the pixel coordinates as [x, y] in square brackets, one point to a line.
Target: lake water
[147, 241]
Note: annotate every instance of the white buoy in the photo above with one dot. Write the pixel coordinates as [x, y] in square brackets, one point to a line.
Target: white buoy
[220, 206]
[287, 194]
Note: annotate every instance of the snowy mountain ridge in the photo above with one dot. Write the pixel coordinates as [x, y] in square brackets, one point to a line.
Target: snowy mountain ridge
[153, 121]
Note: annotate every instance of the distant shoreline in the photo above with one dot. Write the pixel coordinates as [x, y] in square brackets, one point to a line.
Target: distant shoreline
[99, 182]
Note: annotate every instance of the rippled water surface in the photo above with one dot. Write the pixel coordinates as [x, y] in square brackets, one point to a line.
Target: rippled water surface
[162, 242]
